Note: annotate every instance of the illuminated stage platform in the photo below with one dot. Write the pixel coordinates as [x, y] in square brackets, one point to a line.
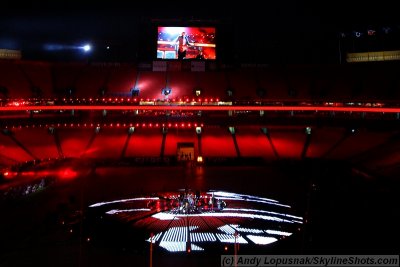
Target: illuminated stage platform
[188, 221]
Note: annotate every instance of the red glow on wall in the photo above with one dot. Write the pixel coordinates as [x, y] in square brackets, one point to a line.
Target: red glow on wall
[217, 142]
[252, 143]
[175, 136]
[145, 143]
[289, 142]
[108, 143]
[38, 142]
[74, 142]
[30, 173]
[8, 175]
[67, 174]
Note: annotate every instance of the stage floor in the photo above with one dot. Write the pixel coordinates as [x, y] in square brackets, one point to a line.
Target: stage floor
[342, 214]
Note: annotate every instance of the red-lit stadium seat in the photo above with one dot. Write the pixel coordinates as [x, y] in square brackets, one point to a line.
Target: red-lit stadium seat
[323, 140]
[384, 161]
[274, 82]
[38, 141]
[11, 153]
[213, 84]
[91, 81]
[145, 142]
[73, 141]
[109, 143]
[244, 84]
[376, 82]
[14, 81]
[359, 141]
[39, 75]
[343, 84]
[217, 142]
[183, 84]
[121, 80]
[298, 79]
[322, 80]
[253, 143]
[180, 135]
[151, 84]
[65, 76]
[288, 141]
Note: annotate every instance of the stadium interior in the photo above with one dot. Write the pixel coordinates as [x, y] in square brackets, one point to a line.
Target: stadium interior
[320, 134]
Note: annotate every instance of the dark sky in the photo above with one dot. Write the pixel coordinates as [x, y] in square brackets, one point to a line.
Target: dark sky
[301, 27]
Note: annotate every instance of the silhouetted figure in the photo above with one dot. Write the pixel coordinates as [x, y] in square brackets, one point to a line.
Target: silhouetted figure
[200, 55]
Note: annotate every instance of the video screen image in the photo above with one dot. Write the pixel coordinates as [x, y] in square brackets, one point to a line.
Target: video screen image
[186, 43]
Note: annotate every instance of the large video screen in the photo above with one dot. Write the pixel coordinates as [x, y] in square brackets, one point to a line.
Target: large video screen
[186, 43]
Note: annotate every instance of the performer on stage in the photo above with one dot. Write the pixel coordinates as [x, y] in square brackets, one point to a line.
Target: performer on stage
[182, 42]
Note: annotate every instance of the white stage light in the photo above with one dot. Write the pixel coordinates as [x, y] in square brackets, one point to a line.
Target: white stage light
[86, 48]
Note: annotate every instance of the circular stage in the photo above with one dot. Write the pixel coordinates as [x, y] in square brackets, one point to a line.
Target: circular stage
[187, 220]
